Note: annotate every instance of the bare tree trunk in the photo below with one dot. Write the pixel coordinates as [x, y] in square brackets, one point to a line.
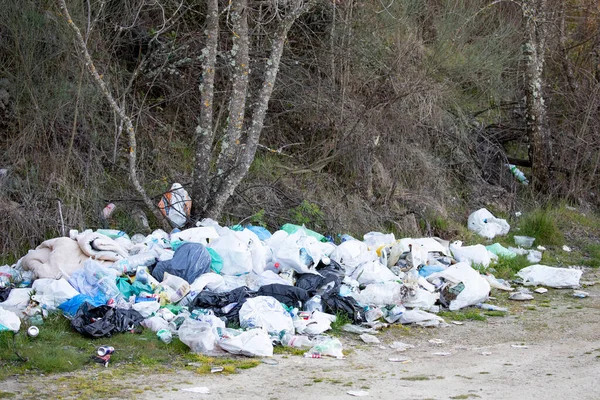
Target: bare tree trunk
[563, 50]
[120, 112]
[534, 12]
[230, 145]
[204, 131]
[256, 125]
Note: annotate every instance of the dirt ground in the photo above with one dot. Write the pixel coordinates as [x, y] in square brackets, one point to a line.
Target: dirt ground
[545, 348]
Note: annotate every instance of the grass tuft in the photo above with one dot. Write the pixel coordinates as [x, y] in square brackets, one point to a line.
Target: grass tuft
[541, 224]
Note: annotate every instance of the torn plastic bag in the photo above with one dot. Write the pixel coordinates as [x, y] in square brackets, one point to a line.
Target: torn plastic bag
[464, 287]
[223, 304]
[104, 321]
[497, 283]
[175, 286]
[291, 296]
[124, 286]
[265, 312]
[94, 278]
[485, 224]
[291, 229]
[51, 293]
[176, 205]
[189, 262]
[550, 276]
[9, 321]
[375, 240]
[200, 337]
[334, 303]
[352, 252]
[380, 294]
[318, 323]
[301, 252]
[333, 272]
[252, 343]
[71, 306]
[500, 250]
[476, 254]
[234, 249]
[326, 346]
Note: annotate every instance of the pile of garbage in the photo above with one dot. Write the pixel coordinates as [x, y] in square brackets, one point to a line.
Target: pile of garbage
[241, 290]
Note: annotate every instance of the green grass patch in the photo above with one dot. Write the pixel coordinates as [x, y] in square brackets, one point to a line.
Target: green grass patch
[288, 350]
[341, 319]
[464, 315]
[416, 378]
[541, 224]
[592, 255]
[6, 395]
[506, 268]
[495, 313]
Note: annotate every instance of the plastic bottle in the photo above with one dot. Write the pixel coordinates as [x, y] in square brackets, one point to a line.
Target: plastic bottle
[165, 336]
[305, 258]
[141, 275]
[518, 174]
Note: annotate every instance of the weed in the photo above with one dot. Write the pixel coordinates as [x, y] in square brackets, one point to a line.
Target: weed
[416, 378]
[506, 268]
[341, 319]
[307, 213]
[6, 395]
[468, 314]
[592, 253]
[495, 313]
[288, 350]
[541, 224]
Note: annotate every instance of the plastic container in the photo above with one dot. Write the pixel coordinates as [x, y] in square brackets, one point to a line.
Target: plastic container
[524, 241]
[518, 174]
[165, 336]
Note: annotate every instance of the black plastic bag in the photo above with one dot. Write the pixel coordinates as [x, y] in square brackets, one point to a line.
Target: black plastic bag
[104, 321]
[334, 303]
[291, 296]
[226, 304]
[189, 262]
[4, 292]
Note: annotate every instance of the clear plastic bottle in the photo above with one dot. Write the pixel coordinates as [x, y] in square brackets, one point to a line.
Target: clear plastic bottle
[518, 174]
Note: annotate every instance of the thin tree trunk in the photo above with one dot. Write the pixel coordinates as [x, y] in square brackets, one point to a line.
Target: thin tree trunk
[120, 111]
[230, 145]
[537, 131]
[204, 131]
[254, 130]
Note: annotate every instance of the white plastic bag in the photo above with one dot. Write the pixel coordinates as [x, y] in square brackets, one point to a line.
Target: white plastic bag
[476, 288]
[476, 254]
[318, 323]
[380, 294]
[265, 312]
[550, 276]
[375, 240]
[196, 235]
[51, 292]
[176, 205]
[18, 300]
[485, 224]
[420, 317]
[209, 280]
[155, 324]
[9, 321]
[234, 249]
[373, 272]
[252, 343]
[421, 299]
[200, 337]
[146, 308]
[349, 252]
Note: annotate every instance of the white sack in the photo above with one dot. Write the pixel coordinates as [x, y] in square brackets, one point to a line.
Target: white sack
[9, 321]
[265, 312]
[550, 276]
[373, 272]
[233, 247]
[252, 343]
[51, 292]
[200, 337]
[485, 224]
[421, 299]
[196, 235]
[380, 294]
[476, 288]
[17, 300]
[476, 254]
[146, 308]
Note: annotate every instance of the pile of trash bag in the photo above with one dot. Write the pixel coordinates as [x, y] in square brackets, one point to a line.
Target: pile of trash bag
[240, 290]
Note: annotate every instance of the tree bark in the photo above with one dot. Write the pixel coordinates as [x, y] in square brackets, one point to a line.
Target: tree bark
[204, 134]
[534, 13]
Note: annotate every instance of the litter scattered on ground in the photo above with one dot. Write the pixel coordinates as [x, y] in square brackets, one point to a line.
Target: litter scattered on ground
[541, 290]
[200, 390]
[281, 288]
[580, 294]
[566, 248]
[486, 353]
[400, 360]
[519, 346]
[442, 353]
[358, 393]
